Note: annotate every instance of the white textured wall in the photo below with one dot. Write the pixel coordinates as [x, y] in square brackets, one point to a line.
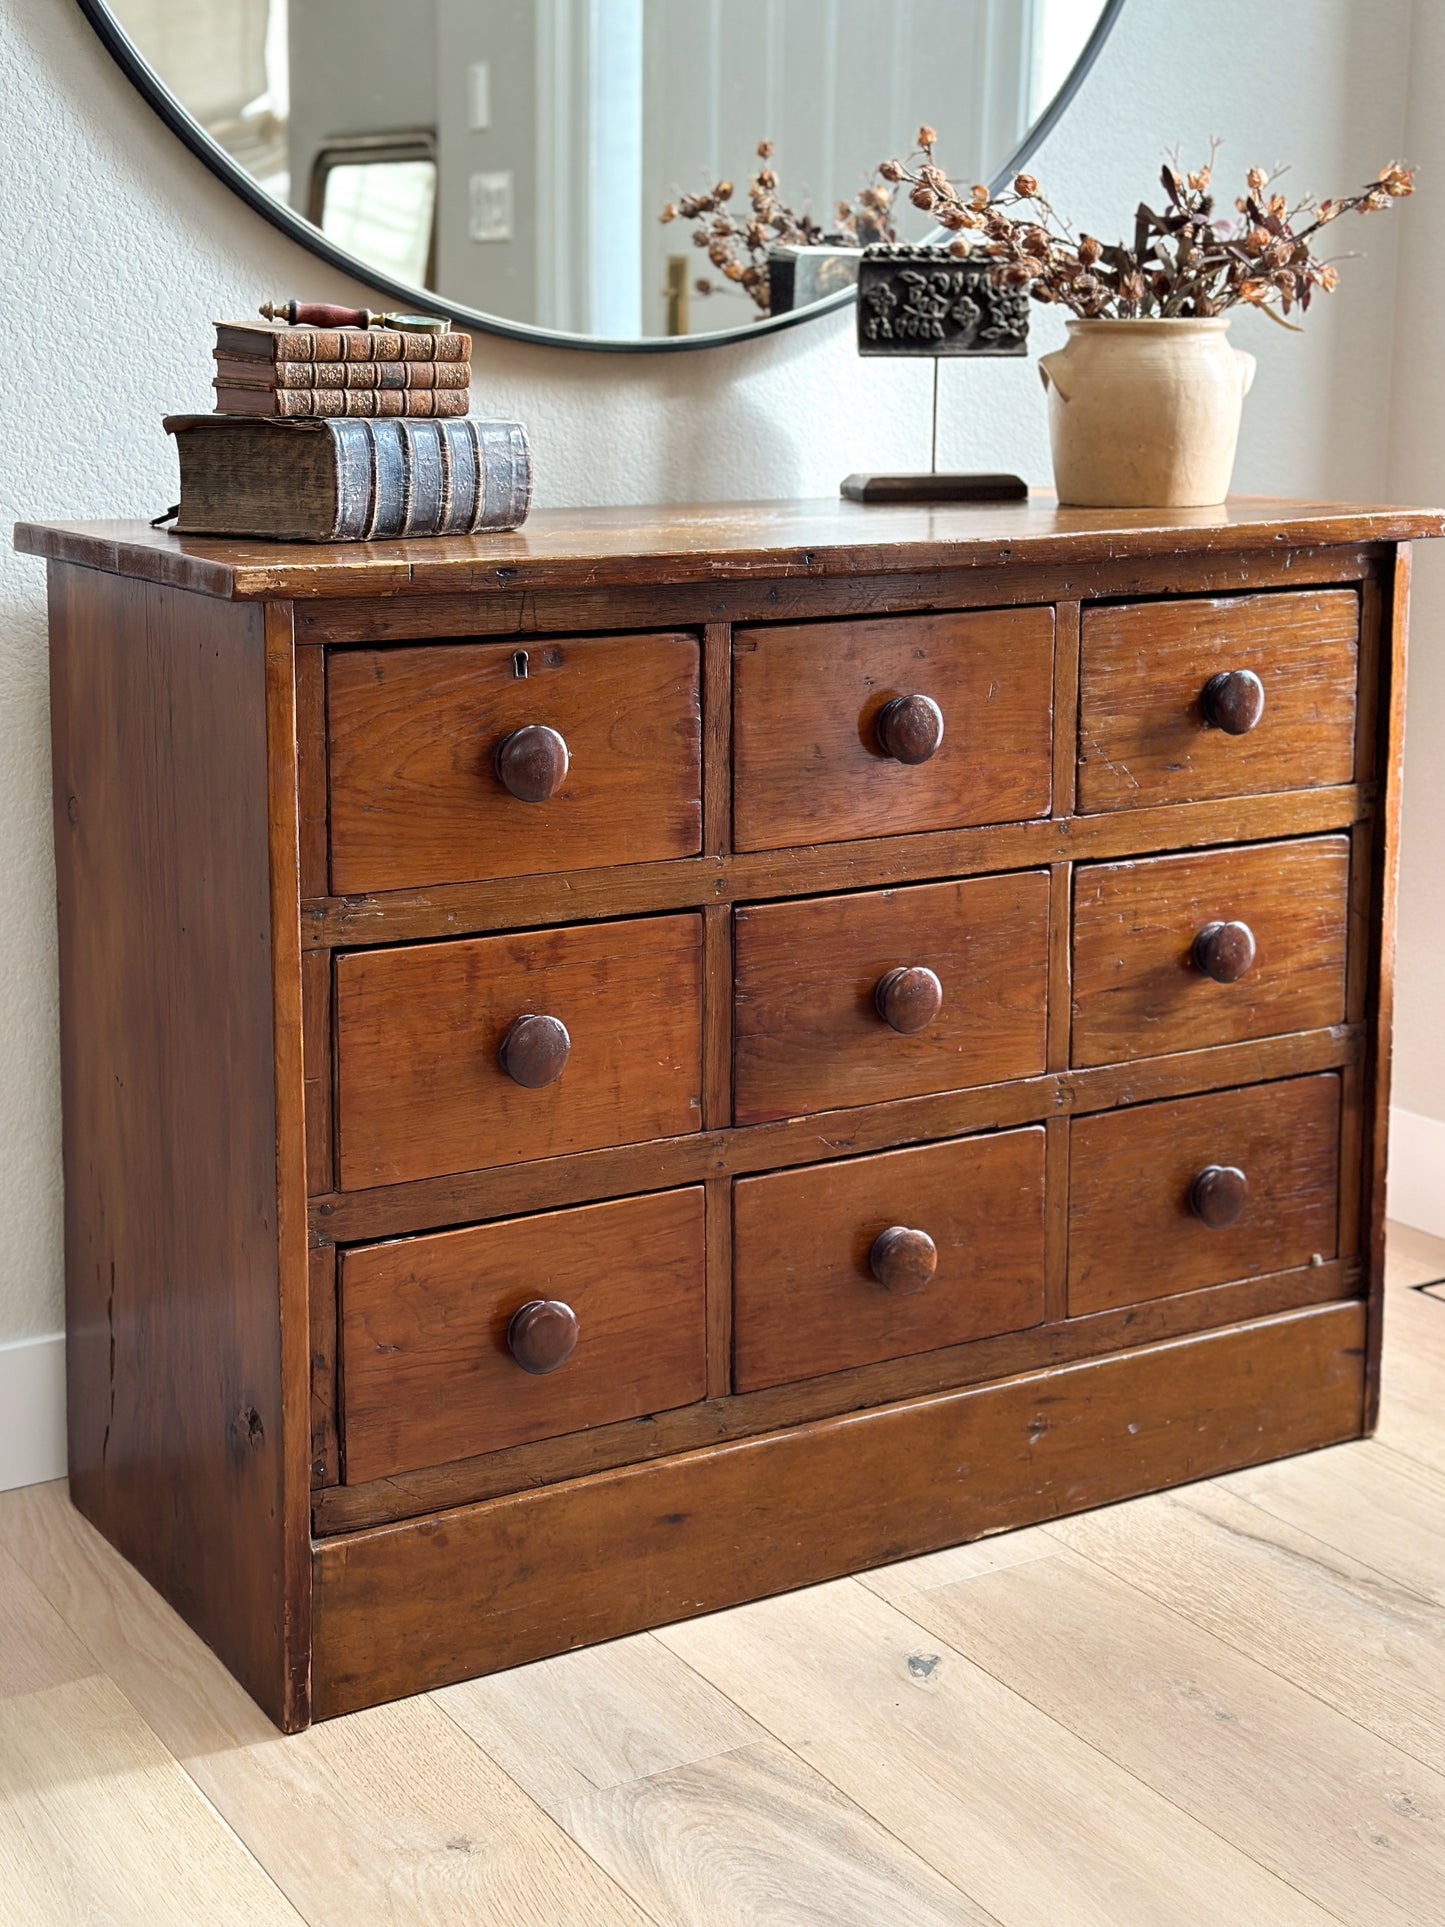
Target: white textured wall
[118, 250]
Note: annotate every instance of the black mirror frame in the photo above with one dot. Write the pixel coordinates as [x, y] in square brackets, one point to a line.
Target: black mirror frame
[292, 224]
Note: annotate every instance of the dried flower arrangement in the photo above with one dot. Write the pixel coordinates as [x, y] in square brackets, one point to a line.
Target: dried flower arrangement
[1187, 262]
[737, 245]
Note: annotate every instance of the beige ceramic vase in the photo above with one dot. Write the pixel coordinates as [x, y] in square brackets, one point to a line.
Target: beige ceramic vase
[1145, 414]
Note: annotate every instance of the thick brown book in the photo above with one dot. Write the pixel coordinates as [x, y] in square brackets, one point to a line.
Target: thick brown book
[337, 344]
[343, 481]
[298, 403]
[258, 371]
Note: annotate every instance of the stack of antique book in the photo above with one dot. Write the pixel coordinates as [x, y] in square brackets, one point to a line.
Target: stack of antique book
[263, 369]
[348, 433]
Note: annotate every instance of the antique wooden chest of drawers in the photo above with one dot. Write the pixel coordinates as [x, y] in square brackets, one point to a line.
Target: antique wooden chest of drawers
[676, 1054]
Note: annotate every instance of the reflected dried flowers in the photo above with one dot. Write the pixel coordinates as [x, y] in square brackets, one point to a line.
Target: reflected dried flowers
[737, 244]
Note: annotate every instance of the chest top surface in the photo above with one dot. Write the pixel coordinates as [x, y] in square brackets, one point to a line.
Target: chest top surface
[713, 542]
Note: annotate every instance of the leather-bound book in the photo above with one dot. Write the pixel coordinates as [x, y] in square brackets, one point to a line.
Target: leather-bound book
[364, 403]
[259, 371]
[337, 344]
[346, 481]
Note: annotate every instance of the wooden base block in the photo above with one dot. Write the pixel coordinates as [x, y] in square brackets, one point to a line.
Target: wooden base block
[403, 1608]
[934, 488]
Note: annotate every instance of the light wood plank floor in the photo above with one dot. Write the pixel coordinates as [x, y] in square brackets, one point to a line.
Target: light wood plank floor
[1220, 1705]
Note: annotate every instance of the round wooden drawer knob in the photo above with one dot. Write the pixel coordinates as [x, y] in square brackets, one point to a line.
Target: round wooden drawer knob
[532, 762]
[910, 728]
[1233, 701]
[908, 998]
[535, 1050]
[542, 1335]
[1225, 951]
[1218, 1195]
[903, 1260]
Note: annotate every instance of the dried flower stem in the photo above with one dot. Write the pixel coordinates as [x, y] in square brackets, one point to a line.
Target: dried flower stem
[1186, 261]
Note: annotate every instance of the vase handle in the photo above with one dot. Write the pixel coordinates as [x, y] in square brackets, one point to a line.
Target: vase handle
[1247, 365]
[1048, 374]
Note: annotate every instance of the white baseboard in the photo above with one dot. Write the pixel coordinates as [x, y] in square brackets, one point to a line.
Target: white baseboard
[1415, 1188]
[32, 1411]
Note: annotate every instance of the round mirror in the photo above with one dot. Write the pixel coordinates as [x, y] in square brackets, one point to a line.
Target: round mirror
[533, 167]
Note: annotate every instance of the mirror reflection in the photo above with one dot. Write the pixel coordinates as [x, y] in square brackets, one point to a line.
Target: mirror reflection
[517, 156]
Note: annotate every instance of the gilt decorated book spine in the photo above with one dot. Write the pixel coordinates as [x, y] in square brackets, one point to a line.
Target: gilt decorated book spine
[298, 403]
[258, 371]
[338, 344]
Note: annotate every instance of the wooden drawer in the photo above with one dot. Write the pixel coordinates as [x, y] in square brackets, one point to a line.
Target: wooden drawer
[1134, 1231]
[806, 1299]
[1138, 990]
[419, 1034]
[1154, 727]
[809, 765]
[808, 1034]
[426, 1369]
[413, 736]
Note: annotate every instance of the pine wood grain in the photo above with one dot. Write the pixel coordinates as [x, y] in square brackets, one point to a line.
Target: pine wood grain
[1413, 1258]
[805, 1300]
[1385, 694]
[502, 611]
[583, 895]
[420, 1090]
[808, 767]
[705, 542]
[1034, 1824]
[425, 1204]
[807, 1036]
[422, 1604]
[1142, 736]
[1347, 1819]
[1137, 990]
[415, 797]
[643, 579]
[1132, 1234]
[425, 1367]
[749, 1414]
[181, 1092]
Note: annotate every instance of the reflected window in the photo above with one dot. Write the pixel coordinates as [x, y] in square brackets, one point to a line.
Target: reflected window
[376, 196]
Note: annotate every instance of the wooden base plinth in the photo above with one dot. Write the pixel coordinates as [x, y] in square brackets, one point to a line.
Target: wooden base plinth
[934, 488]
[403, 1608]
